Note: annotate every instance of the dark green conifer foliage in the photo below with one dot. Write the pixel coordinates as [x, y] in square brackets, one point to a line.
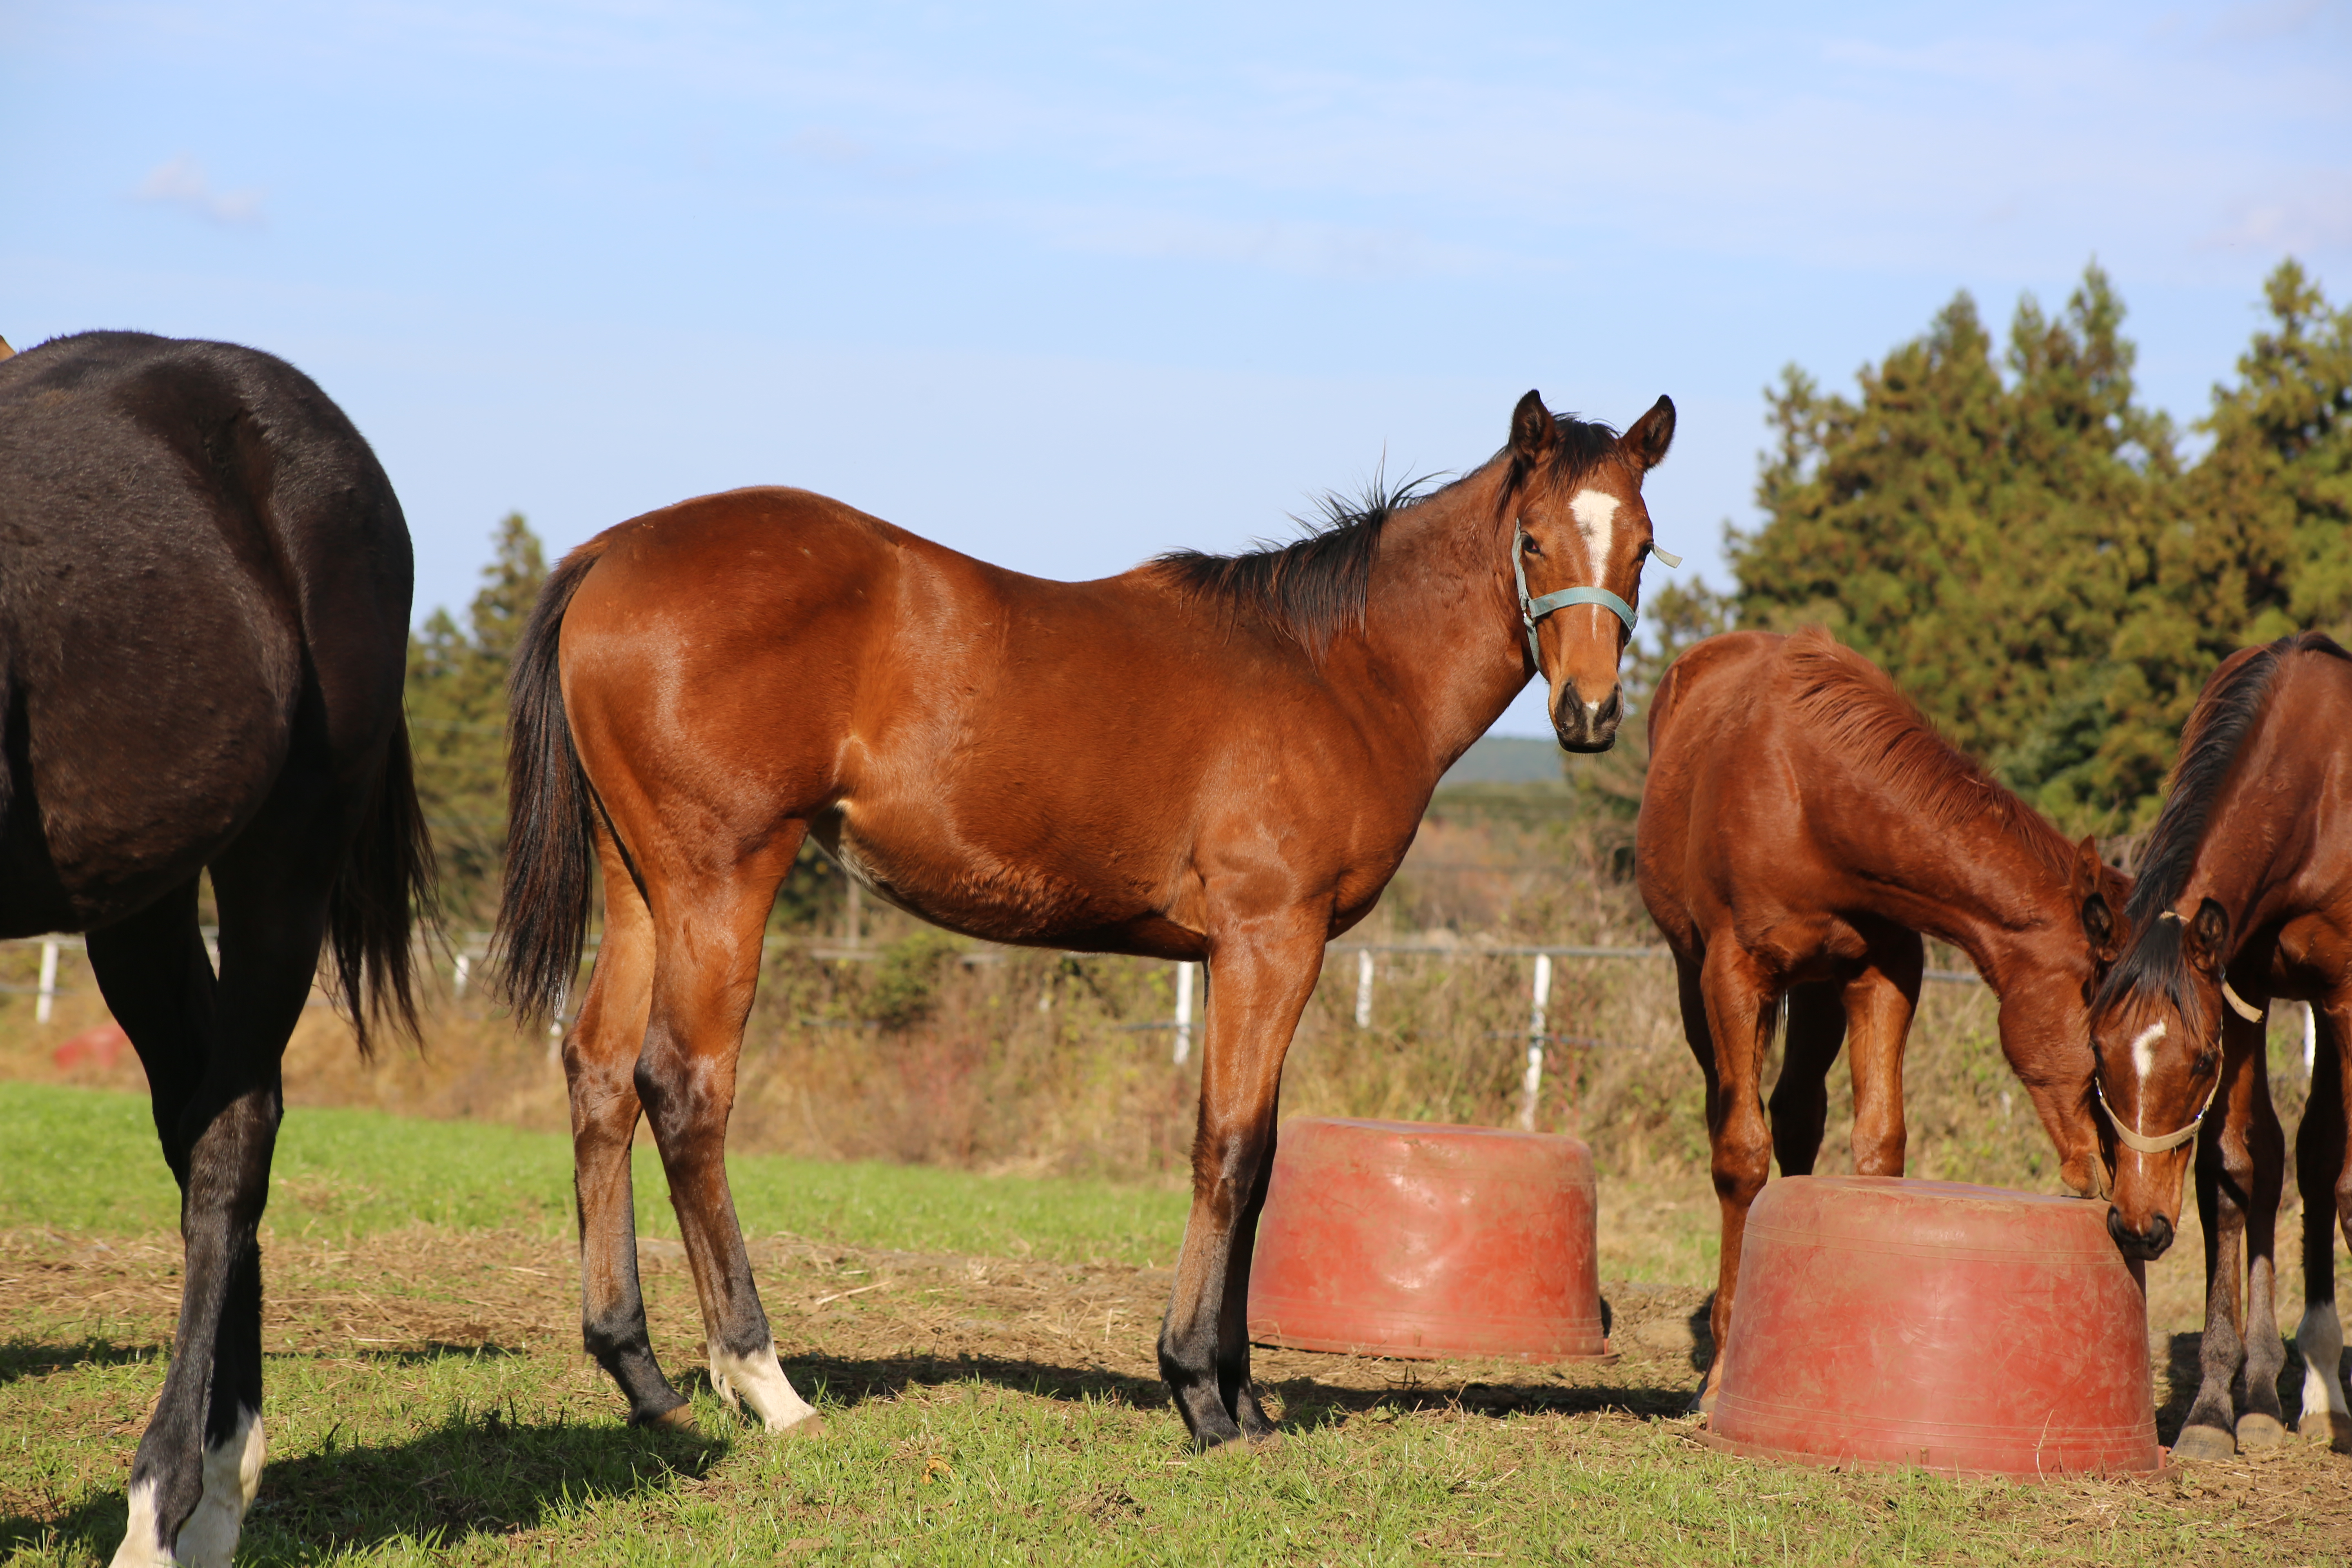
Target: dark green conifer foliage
[2025, 550]
[456, 720]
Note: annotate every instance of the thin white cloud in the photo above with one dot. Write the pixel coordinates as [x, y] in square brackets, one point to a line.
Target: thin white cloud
[181, 182]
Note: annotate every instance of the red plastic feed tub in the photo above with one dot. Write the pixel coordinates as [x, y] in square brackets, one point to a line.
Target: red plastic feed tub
[1967, 1331]
[1419, 1240]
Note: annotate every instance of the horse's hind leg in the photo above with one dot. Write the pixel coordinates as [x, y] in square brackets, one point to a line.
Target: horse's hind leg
[1801, 1101]
[219, 1049]
[600, 1068]
[1879, 1003]
[708, 932]
[2324, 1180]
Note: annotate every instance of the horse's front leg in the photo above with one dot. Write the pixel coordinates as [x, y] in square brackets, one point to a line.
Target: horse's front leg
[1739, 998]
[2225, 1187]
[2262, 1420]
[1261, 975]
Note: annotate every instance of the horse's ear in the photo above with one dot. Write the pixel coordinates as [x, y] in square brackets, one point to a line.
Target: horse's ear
[1535, 434]
[1652, 434]
[2087, 885]
[2206, 943]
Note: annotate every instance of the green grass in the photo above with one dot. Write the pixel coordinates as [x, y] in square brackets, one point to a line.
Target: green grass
[511, 1450]
[86, 1161]
[452, 1459]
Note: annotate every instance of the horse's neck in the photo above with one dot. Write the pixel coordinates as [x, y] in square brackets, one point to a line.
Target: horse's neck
[1439, 632]
[2262, 829]
[1997, 899]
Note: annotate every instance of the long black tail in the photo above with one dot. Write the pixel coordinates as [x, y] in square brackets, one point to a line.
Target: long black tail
[544, 903]
[386, 886]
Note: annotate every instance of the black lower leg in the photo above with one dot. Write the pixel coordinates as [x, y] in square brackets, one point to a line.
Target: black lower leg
[612, 1316]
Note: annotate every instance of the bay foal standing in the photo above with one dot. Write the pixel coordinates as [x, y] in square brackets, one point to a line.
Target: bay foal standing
[1210, 757]
[1801, 826]
[2245, 894]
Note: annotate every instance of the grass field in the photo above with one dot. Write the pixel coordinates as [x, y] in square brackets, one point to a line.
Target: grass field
[981, 1347]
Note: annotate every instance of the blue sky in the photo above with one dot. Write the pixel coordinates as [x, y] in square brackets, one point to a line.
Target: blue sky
[1063, 286]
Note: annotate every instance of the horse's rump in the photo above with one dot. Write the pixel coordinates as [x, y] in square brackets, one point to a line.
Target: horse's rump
[204, 572]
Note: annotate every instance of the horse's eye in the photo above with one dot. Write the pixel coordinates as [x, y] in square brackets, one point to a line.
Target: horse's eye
[2208, 1063]
[1527, 542]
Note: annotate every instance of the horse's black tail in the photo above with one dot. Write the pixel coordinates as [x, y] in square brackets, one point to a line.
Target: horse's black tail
[550, 851]
[386, 886]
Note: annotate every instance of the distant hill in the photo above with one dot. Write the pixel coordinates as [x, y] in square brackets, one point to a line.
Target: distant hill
[1506, 759]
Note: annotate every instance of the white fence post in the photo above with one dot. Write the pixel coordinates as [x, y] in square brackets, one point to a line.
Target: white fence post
[1364, 989]
[1183, 1012]
[1542, 998]
[47, 1003]
[2310, 1038]
[465, 967]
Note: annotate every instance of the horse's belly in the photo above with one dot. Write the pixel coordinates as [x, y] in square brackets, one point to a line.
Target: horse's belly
[980, 895]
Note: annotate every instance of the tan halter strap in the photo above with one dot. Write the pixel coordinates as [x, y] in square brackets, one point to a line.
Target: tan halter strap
[2170, 1141]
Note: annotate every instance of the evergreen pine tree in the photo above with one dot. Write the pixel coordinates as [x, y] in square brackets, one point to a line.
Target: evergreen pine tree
[456, 718]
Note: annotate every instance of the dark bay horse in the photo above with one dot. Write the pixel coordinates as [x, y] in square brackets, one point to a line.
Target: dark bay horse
[1220, 758]
[2245, 894]
[203, 625]
[1801, 826]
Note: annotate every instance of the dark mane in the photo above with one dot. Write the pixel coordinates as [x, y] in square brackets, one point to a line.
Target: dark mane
[1858, 705]
[1312, 589]
[2224, 716]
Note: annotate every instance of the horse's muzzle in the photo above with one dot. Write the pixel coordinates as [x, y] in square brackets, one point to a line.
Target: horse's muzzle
[1587, 727]
[2146, 1245]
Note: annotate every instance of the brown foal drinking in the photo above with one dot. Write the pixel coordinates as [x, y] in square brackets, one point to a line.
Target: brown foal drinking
[1209, 757]
[1801, 826]
[2245, 894]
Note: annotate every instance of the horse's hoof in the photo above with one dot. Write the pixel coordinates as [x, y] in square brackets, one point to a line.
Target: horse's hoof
[2256, 1430]
[2324, 1426]
[809, 1425]
[1271, 1443]
[2204, 1444]
[677, 1418]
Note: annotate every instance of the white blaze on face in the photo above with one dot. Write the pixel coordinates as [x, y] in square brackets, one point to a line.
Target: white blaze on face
[2143, 1051]
[760, 1381]
[1596, 518]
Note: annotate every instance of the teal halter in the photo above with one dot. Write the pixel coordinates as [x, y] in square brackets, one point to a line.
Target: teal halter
[1533, 610]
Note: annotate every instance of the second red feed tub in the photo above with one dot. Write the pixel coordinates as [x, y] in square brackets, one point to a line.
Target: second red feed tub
[1419, 1240]
[1968, 1330]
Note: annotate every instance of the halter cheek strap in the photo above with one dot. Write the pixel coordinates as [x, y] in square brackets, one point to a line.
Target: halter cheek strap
[1533, 610]
[2238, 1005]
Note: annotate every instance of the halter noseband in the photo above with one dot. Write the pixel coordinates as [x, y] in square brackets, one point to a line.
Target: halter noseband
[1533, 610]
[2170, 1141]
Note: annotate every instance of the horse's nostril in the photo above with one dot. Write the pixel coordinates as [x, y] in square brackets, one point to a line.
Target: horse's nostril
[2146, 1245]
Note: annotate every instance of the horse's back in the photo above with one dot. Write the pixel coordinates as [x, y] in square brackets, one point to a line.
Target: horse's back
[195, 548]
